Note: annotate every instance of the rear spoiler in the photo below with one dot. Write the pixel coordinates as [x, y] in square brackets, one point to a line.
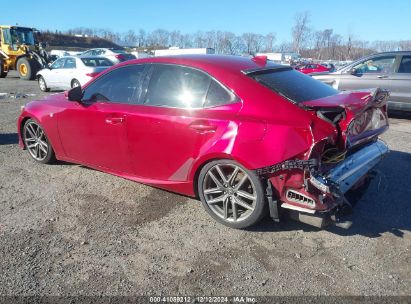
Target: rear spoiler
[270, 69]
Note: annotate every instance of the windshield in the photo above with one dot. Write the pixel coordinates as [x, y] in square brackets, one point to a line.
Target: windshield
[19, 35]
[294, 85]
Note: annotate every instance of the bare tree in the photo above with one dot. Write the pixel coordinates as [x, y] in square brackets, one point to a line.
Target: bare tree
[253, 43]
[176, 38]
[159, 37]
[269, 42]
[130, 38]
[405, 45]
[141, 37]
[211, 38]
[200, 40]
[300, 31]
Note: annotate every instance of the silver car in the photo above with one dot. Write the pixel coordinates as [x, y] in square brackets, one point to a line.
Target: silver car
[390, 70]
[114, 55]
[69, 72]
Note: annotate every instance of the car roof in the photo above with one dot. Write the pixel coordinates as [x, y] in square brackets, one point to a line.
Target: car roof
[393, 53]
[210, 63]
[92, 57]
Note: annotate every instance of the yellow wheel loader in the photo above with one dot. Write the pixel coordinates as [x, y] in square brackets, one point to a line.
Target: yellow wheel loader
[20, 51]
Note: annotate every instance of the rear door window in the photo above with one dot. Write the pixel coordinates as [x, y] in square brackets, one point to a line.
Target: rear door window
[405, 65]
[177, 87]
[183, 87]
[293, 85]
[96, 62]
[122, 85]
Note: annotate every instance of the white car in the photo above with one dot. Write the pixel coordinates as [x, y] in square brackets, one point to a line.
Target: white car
[114, 55]
[69, 72]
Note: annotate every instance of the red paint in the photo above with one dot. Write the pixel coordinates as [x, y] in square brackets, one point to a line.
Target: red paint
[311, 68]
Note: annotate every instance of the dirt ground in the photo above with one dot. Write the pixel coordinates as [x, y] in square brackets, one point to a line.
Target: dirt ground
[69, 230]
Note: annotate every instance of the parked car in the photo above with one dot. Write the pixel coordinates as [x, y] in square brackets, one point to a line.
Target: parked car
[391, 71]
[329, 66]
[311, 68]
[69, 72]
[114, 55]
[238, 133]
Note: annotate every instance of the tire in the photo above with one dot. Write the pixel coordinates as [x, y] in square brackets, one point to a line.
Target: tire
[43, 85]
[27, 68]
[231, 194]
[3, 73]
[75, 83]
[37, 143]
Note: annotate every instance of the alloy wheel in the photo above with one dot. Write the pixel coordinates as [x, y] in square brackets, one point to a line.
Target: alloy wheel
[42, 84]
[36, 141]
[229, 192]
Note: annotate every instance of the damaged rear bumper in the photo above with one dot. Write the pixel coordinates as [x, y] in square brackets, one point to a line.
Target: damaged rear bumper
[346, 174]
[334, 184]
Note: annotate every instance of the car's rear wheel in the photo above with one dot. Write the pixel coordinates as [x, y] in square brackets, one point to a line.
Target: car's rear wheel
[231, 194]
[37, 142]
[43, 85]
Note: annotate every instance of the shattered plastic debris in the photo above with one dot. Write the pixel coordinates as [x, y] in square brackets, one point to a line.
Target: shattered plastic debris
[15, 95]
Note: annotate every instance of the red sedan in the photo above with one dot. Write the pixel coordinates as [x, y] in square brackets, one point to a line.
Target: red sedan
[243, 135]
[311, 68]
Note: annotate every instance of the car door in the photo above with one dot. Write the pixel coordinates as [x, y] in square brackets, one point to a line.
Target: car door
[171, 127]
[310, 68]
[68, 72]
[53, 77]
[369, 73]
[94, 132]
[400, 96]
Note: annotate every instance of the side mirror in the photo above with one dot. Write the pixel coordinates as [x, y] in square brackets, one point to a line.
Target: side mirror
[352, 71]
[75, 94]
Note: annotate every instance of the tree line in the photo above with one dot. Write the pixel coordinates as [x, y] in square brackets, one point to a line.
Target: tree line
[324, 44]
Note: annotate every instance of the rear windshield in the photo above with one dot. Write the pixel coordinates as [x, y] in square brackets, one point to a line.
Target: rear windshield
[118, 51]
[294, 85]
[96, 62]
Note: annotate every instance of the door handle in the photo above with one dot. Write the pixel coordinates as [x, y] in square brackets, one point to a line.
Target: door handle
[382, 76]
[202, 127]
[114, 120]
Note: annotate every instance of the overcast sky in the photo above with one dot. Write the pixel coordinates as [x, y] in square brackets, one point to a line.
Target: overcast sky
[366, 19]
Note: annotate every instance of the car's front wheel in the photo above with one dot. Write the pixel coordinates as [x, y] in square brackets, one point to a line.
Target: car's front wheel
[37, 142]
[231, 194]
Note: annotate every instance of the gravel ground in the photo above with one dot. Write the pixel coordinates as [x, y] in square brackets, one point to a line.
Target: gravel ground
[69, 230]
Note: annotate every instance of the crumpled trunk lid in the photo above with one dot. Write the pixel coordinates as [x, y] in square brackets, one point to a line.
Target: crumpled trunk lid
[358, 115]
